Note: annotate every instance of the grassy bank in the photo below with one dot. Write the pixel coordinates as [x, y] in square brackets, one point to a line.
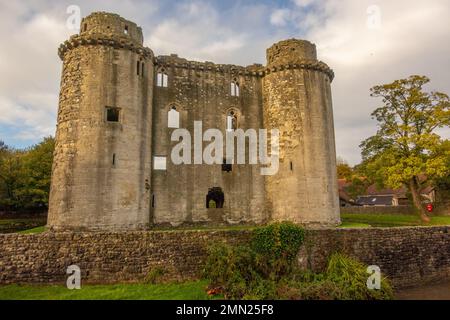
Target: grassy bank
[389, 220]
[349, 220]
[21, 224]
[172, 291]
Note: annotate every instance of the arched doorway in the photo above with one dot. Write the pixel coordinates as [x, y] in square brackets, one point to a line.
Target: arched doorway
[215, 198]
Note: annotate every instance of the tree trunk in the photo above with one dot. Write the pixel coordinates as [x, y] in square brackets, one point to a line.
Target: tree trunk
[413, 187]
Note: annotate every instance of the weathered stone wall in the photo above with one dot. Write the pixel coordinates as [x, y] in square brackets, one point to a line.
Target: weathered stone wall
[107, 257]
[201, 92]
[101, 169]
[409, 256]
[297, 101]
[102, 175]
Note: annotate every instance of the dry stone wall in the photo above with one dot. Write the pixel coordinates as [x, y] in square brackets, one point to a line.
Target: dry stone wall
[408, 256]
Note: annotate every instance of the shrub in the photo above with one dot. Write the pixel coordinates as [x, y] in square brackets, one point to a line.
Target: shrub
[278, 240]
[351, 276]
[277, 246]
[266, 269]
[154, 275]
[251, 272]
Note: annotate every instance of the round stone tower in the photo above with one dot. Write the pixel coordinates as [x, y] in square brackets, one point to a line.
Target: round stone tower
[297, 101]
[102, 166]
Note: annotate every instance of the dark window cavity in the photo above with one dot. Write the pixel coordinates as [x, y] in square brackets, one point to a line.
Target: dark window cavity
[215, 198]
[112, 114]
[227, 167]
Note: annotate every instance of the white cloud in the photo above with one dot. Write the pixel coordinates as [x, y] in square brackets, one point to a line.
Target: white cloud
[303, 3]
[412, 39]
[280, 17]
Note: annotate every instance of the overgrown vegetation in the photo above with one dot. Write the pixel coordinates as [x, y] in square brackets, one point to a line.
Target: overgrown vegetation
[154, 275]
[267, 269]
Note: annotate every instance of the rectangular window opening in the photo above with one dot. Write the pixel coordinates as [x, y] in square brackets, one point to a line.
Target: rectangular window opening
[114, 159]
[138, 67]
[159, 163]
[227, 167]
[125, 30]
[112, 114]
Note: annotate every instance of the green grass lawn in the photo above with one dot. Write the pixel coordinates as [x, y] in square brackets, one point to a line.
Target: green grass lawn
[20, 224]
[354, 225]
[170, 291]
[33, 230]
[388, 220]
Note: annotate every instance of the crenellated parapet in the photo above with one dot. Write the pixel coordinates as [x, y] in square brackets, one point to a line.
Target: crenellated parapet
[173, 60]
[109, 30]
[104, 40]
[295, 54]
[305, 64]
[256, 70]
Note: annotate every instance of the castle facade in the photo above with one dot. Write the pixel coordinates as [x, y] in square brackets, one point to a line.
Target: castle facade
[120, 104]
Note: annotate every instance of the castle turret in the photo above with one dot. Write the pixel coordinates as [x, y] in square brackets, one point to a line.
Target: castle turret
[101, 172]
[297, 101]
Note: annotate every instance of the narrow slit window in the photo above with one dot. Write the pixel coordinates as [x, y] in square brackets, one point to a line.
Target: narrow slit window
[114, 159]
[153, 200]
[85, 27]
[125, 30]
[235, 88]
[292, 166]
[142, 69]
[159, 80]
[231, 121]
[112, 114]
[138, 67]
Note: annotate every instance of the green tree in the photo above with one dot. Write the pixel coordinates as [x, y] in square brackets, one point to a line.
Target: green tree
[406, 144]
[25, 175]
[10, 176]
[36, 174]
[344, 171]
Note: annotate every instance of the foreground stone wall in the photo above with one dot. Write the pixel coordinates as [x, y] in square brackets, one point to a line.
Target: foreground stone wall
[409, 256]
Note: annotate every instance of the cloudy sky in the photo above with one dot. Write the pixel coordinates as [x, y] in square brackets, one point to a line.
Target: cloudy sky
[365, 42]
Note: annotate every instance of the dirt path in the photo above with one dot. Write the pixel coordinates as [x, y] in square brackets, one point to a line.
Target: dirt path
[440, 291]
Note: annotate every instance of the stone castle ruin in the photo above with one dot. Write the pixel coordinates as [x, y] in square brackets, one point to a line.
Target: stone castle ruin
[119, 104]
